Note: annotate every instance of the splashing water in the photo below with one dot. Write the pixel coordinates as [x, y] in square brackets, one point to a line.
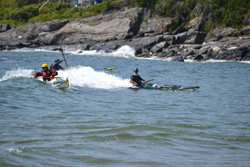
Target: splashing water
[78, 76]
[125, 51]
[16, 74]
[88, 77]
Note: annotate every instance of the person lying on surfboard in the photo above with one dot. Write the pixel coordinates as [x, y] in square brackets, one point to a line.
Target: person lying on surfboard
[46, 73]
[55, 66]
[136, 79]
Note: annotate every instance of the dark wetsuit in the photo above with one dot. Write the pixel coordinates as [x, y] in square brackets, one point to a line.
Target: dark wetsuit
[55, 66]
[136, 79]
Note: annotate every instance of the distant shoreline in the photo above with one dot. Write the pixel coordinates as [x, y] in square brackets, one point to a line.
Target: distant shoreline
[150, 38]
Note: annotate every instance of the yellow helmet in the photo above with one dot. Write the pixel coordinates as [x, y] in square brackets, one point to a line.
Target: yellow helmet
[45, 65]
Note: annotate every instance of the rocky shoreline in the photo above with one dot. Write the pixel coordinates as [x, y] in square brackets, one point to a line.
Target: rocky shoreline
[148, 35]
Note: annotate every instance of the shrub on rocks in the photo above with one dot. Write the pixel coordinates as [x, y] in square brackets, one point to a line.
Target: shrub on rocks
[25, 13]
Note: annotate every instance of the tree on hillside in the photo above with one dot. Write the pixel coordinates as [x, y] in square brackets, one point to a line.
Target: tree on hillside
[18, 3]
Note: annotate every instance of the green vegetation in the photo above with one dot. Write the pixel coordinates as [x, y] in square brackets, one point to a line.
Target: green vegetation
[12, 13]
[147, 3]
[214, 12]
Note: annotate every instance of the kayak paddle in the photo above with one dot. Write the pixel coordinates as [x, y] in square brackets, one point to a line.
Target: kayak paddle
[150, 80]
[61, 50]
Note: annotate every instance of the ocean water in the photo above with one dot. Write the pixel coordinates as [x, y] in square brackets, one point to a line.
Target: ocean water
[98, 121]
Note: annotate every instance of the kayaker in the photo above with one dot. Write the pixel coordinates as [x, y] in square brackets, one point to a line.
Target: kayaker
[136, 79]
[55, 66]
[46, 73]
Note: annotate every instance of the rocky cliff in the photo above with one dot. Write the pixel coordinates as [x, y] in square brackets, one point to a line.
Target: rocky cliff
[138, 28]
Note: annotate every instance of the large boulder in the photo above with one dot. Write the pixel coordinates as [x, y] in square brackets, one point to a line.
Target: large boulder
[158, 47]
[195, 37]
[133, 14]
[169, 38]
[245, 30]
[238, 54]
[105, 31]
[50, 26]
[180, 38]
[176, 58]
[4, 27]
[145, 43]
[180, 29]
[195, 24]
[219, 33]
[200, 55]
[246, 21]
[14, 44]
[187, 53]
[33, 33]
[157, 25]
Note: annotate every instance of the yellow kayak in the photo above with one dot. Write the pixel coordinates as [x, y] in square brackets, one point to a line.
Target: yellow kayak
[60, 83]
[57, 82]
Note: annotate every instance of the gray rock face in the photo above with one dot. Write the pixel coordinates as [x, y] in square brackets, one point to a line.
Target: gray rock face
[50, 26]
[4, 27]
[245, 30]
[219, 33]
[158, 47]
[157, 25]
[179, 30]
[76, 32]
[145, 43]
[177, 58]
[246, 21]
[195, 24]
[57, 32]
[195, 37]
[180, 38]
[29, 34]
[238, 54]
[121, 27]
[133, 14]
[188, 53]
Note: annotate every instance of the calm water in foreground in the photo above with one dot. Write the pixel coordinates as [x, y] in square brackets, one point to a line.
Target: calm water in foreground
[98, 121]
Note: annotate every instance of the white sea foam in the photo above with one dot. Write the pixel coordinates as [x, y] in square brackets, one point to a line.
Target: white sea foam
[124, 51]
[78, 76]
[88, 52]
[16, 74]
[247, 62]
[88, 77]
[13, 150]
[30, 50]
[207, 61]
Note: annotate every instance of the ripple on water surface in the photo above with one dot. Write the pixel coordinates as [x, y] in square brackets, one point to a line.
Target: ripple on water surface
[99, 122]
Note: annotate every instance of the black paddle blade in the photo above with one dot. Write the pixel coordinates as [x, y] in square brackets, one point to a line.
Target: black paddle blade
[60, 49]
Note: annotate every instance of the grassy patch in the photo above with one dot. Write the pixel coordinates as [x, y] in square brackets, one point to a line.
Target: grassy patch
[20, 16]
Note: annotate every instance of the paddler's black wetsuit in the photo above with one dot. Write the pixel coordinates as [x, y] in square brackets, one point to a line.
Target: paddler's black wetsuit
[137, 79]
[55, 66]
